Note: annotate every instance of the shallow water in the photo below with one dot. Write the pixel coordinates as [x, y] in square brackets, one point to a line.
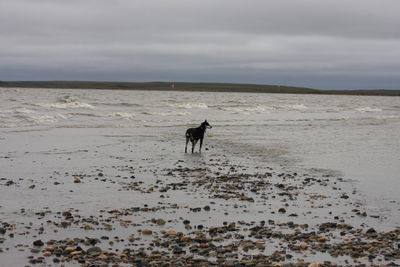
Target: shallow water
[354, 135]
[49, 136]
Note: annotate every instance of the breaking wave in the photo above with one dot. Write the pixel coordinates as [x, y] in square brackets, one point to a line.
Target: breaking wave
[64, 103]
[190, 105]
[262, 108]
[124, 115]
[368, 109]
[166, 113]
[44, 118]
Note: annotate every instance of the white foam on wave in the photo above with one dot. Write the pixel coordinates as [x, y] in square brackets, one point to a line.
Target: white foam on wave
[8, 112]
[167, 113]
[189, 105]
[368, 109]
[124, 115]
[64, 103]
[22, 120]
[292, 107]
[23, 111]
[262, 108]
[246, 109]
[45, 118]
[72, 104]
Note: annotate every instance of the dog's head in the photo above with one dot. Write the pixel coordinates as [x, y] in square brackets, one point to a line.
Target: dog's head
[206, 124]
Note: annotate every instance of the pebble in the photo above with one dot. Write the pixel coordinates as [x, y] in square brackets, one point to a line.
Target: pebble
[202, 242]
[147, 232]
[94, 252]
[171, 233]
[38, 243]
[47, 254]
[160, 222]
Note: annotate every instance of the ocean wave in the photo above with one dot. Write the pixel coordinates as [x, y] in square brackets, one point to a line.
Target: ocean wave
[23, 110]
[64, 103]
[291, 107]
[170, 100]
[368, 109]
[166, 113]
[386, 117]
[121, 104]
[24, 120]
[261, 108]
[189, 105]
[124, 115]
[7, 112]
[44, 118]
[85, 114]
[74, 104]
[245, 109]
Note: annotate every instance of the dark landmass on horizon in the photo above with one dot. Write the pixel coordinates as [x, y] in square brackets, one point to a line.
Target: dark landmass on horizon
[192, 86]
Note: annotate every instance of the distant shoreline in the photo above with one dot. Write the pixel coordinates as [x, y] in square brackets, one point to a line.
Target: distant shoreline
[187, 86]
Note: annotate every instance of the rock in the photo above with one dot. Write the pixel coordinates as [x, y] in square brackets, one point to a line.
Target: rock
[303, 245]
[371, 231]
[2, 231]
[147, 232]
[64, 223]
[67, 214]
[160, 222]
[102, 257]
[73, 253]
[38, 243]
[177, 250]
[77, 181]
[171, 233]
[184, 239]
[314, 264]
[93, 252]
[47, 254]
[35, 250]
[282, 210]
[69, 249]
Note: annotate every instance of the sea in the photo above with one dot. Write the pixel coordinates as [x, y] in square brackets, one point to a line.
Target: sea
[355, 137]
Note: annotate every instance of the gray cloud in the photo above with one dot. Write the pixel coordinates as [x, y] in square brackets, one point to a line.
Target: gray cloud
[322, 44]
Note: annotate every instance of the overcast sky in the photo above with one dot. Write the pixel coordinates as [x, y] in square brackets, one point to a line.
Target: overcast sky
[329, 44]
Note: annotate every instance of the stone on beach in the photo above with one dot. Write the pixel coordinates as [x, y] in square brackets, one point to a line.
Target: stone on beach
[38, 243]
[94, 252]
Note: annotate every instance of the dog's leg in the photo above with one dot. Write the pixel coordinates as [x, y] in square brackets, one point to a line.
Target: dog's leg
[201, 143]
[193, 145]
[187, 141]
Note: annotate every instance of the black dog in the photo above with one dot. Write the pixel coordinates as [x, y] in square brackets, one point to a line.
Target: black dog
[196, 134]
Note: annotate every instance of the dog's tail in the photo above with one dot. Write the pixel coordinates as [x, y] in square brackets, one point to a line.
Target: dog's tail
[187, 134]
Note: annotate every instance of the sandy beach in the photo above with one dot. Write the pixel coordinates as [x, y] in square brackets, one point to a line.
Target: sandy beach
[101, 179]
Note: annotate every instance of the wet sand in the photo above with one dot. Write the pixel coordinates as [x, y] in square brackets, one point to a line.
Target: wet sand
[131, 197]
